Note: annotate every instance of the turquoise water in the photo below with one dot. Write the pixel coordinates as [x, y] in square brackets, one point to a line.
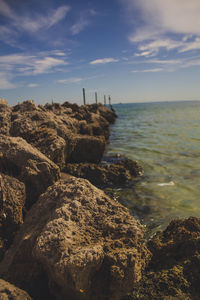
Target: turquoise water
[165, 139]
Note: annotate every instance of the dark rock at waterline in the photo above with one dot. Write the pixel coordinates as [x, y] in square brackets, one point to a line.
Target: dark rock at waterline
[20, 160]
[85, 244]
[117, 172]
[12, 200]
[11, 292]
[173, 272]
[87, 149]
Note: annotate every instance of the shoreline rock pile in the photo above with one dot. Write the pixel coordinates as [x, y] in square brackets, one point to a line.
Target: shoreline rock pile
[64, 238]
[61, 237]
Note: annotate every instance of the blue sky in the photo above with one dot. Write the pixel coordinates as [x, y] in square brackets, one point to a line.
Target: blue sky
[133, 50]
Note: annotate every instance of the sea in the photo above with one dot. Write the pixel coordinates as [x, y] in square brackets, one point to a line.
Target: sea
[164, 137]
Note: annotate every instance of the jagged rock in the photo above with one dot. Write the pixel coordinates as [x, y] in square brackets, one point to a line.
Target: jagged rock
[21, 160]
[88, 244]
[117, 173]
[49, 143]
[5, 117]
[59, 131]
[11, 292]
[173, 272]
[108, 113]
[87, 149]
[12, 200]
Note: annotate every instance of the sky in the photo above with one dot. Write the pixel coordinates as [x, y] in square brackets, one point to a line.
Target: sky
[132, 50]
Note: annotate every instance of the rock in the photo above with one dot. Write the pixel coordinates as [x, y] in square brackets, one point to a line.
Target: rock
[11, 292]
[87, 149]
[88, 245]
[50, 144]
[12, 200]
[59, 131]
[173, 272]
[108, 113]
[116, 173]
[21, 160]
[5, 117]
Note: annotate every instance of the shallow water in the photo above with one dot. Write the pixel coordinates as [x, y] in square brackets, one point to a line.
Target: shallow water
[165, 139]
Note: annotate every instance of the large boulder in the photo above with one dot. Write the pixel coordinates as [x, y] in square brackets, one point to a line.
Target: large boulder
[21, 160]
[12, 200]
[87, 149]
[88, 245]
[11, 292]
[5, 117]
[173, 272]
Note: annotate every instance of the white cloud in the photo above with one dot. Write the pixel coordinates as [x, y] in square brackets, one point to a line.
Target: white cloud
[148, 70]
[32, 85]
[43, 22]
[22, 64]
[70, 80]
[195, 45]
[35, 24]
[168, 25]
[44, 65]
[79, 26]
[103, 61]
[177, 16]
[83, 21]
[5, 81]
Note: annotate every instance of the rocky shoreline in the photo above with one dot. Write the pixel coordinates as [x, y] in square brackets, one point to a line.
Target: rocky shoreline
[61, 237]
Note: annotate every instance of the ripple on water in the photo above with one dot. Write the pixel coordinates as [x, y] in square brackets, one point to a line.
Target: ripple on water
[164, 138]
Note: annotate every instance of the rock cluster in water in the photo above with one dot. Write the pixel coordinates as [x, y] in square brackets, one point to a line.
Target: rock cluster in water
[63, 238]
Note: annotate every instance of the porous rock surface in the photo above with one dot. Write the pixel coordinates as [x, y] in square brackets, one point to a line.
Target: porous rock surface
[173, 272]
[10, 292]
[19, 159]
[5, 117]
[12, 200]
[116, 173]
[88, 245]
[63, 133]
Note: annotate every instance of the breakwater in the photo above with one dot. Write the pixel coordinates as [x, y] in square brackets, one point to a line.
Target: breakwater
[61, 237]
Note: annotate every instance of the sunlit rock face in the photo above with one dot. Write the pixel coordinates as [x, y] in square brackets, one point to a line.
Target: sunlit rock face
[85, 243]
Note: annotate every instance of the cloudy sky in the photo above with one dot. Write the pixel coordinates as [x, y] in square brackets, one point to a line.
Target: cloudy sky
[133, 50]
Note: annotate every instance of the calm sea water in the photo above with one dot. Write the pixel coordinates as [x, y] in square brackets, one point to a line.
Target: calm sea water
[165, 139]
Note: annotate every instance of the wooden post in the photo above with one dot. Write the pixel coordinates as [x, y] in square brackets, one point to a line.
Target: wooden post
[104, 100]
[84, 100]
[109, 99]
[96, 97]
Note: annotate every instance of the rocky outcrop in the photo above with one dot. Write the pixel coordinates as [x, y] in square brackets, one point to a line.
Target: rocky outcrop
[59, 131]
[173, 272]
[24, 162]
[12, 200]
[115, 173]
[11, 292]
[86, 244]
[5, 117]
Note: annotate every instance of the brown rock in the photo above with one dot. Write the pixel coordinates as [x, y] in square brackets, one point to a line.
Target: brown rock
[173, 272]
[21, 160]
[117, 173]
[12, 200]
[87, 243]
[11, 292]
[49, 143]
[87, 149]
[5, 117]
